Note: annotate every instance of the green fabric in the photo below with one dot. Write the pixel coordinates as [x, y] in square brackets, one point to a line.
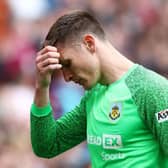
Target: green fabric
[51, 137]
[118, 121]
[150, 92]
[41, 111]
[123, 140]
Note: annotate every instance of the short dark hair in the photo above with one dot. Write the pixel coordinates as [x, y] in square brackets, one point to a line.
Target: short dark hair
[71, 26]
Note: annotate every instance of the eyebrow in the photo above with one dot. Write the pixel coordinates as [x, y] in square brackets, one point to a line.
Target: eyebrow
[66, 63]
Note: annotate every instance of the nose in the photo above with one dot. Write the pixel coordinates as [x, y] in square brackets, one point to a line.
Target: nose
[67, 75]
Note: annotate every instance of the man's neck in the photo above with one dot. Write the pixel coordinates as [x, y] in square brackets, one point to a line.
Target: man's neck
[113, 64]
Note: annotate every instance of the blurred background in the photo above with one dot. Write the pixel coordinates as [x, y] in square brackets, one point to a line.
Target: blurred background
[137, 28]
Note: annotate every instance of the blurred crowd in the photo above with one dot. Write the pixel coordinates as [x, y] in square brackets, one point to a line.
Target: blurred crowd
[137, 28]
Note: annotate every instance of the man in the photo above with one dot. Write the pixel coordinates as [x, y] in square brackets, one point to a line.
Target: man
[124, 112]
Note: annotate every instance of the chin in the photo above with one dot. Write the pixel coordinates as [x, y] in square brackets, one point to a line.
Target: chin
[88, 87]
[85, 86]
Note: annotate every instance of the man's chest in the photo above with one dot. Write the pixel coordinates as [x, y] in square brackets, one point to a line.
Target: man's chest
[113, 122]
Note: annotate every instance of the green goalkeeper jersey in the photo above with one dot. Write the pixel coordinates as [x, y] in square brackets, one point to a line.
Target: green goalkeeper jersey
[125, 123]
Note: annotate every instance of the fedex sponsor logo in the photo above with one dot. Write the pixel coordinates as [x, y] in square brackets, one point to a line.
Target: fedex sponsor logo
[112, 141]
[107, 141]
[162, 116]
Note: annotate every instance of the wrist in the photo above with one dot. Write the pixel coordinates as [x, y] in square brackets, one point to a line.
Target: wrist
[41, 96]
[41, 111]
[43, 84]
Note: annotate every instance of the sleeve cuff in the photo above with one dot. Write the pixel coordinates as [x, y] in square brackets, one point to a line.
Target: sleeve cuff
[41, 111]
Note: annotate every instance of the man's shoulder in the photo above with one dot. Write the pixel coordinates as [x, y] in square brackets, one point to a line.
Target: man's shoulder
[148, 87]
[145, 78]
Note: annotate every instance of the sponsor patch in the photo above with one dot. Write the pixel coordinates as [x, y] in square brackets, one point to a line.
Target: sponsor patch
[162, 116]
[112, 156]
[112, 141]
[107, 141]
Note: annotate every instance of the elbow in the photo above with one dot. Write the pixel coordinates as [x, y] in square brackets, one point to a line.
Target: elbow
[42, 155]
[43, 152]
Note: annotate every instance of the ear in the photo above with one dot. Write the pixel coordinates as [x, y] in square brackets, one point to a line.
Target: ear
[89, 42]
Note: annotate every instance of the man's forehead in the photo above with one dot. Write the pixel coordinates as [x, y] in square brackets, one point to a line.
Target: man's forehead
[62, 54]
[67, 47]
[60, 48]
[65, 52]
[63, 57]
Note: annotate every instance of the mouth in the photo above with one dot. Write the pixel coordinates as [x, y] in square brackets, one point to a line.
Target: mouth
[75, 80]
[79, 81]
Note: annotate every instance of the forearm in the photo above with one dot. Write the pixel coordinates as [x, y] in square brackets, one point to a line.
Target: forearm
[43, 125]
[43, 131]
[51, 137]
[41, 97]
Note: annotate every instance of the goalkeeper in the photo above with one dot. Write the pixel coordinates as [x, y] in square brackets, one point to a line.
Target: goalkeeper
[124, 112]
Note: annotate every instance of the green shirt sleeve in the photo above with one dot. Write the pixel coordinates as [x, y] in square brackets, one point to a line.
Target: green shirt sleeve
[50, 137]
[150, 92]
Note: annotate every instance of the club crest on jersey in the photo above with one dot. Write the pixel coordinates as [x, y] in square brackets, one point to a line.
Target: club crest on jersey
[115, 112]
[162, 116]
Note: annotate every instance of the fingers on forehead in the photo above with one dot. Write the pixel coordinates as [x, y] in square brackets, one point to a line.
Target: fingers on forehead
[47, 49]
[47, 55]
